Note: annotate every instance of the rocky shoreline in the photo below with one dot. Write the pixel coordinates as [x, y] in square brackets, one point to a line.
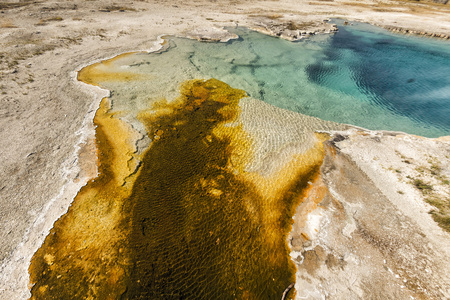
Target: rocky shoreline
[418, 32]
[292, 31]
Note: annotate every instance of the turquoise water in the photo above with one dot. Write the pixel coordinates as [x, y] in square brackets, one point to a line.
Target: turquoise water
[362, 75]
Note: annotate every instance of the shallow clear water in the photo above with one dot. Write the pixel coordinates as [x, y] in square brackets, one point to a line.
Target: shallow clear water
[362, 75]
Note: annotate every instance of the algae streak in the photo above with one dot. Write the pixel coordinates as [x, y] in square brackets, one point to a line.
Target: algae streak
[190, 224]
[85, 254]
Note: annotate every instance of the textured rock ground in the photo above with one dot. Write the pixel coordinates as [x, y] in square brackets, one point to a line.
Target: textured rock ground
[46, 127]
[371, 236]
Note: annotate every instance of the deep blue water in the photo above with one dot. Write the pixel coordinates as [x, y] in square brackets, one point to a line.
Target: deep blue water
[409, 76]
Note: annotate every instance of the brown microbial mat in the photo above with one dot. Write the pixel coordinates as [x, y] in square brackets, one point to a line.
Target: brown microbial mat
[183, 220]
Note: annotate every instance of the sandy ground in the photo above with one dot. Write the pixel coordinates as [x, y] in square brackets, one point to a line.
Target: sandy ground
[46, 115]
[371, 237]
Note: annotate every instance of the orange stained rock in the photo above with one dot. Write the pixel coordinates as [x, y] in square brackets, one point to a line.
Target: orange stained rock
[314, 195]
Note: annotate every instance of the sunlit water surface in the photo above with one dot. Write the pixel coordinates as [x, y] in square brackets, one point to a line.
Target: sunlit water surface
[362, 75]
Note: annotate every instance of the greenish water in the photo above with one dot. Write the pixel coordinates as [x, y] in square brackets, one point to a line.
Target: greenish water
[362, 75]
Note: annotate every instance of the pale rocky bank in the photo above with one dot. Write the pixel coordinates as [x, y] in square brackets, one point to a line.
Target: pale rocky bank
[371, 237]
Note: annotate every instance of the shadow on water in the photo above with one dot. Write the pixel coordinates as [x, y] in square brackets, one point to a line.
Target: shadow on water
[199, 230]
[188, 225]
